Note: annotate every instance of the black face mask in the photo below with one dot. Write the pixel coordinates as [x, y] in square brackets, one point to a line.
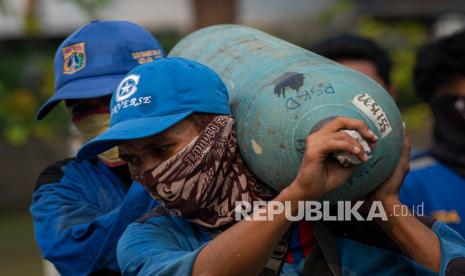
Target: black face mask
[449, 131]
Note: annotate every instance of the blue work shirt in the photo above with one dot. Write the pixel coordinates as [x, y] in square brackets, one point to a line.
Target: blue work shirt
[440, 189]
[80, 209]
[164, 244]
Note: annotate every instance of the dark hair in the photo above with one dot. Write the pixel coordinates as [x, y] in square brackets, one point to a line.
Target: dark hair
[348, 46]
[438, 63]
[201, 120]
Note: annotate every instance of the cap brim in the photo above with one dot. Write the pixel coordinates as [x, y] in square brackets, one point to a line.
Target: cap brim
[129, 130]
[81, 89]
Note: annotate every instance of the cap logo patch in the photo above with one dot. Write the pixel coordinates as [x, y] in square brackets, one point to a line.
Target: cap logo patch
[127, 87]
[146, 56]
[74, 57]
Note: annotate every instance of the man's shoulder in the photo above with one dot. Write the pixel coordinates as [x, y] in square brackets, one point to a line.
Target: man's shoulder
[426, 180]
[165, 230]
[162, 218]
[54, 172]
[423, 161]
[425, 168]
[159, 214]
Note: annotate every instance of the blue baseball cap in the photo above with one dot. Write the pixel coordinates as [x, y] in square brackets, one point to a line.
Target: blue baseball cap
[157, 95]
[92, 61]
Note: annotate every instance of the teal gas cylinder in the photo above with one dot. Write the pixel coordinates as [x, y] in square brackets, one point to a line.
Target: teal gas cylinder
[279, 91]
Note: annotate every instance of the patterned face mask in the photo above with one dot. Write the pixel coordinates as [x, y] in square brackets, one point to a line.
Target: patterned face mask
[203, 182]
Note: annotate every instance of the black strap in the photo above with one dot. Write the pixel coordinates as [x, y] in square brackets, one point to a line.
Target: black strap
[324, 260]
[275, 262]
[52, 174]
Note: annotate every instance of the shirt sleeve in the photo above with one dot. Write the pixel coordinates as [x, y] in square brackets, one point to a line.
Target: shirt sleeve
[156, 247]
[452, 250]
[79, 219]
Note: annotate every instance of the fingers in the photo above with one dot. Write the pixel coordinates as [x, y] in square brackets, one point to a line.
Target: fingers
[336, 142]
[340, 123]
[331, 139]
[358, 149]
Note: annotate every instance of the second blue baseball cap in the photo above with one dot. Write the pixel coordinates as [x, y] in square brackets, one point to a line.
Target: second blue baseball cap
[155, 96]
[92, 61]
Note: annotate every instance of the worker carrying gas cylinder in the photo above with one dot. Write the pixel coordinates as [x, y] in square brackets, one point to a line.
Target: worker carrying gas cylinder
[182, 144]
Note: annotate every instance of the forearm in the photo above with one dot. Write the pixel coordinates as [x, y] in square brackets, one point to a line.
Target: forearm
[414, 238]
[244, 248]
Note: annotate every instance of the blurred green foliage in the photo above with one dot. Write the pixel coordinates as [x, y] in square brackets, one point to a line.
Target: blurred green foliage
[401, 39]
[27, 80]
[2, 6]
[417, 117]
[327, 16]
[26, 70]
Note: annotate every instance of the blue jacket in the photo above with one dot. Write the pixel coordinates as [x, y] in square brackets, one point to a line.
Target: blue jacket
[438, 188]
[163, 244]
[80, 209]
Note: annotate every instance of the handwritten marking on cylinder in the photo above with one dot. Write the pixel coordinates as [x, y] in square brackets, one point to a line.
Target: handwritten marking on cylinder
[304, 95]
[256, 147]
[291, 103]
[323, 87]
[290, 80]
[373, 110]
